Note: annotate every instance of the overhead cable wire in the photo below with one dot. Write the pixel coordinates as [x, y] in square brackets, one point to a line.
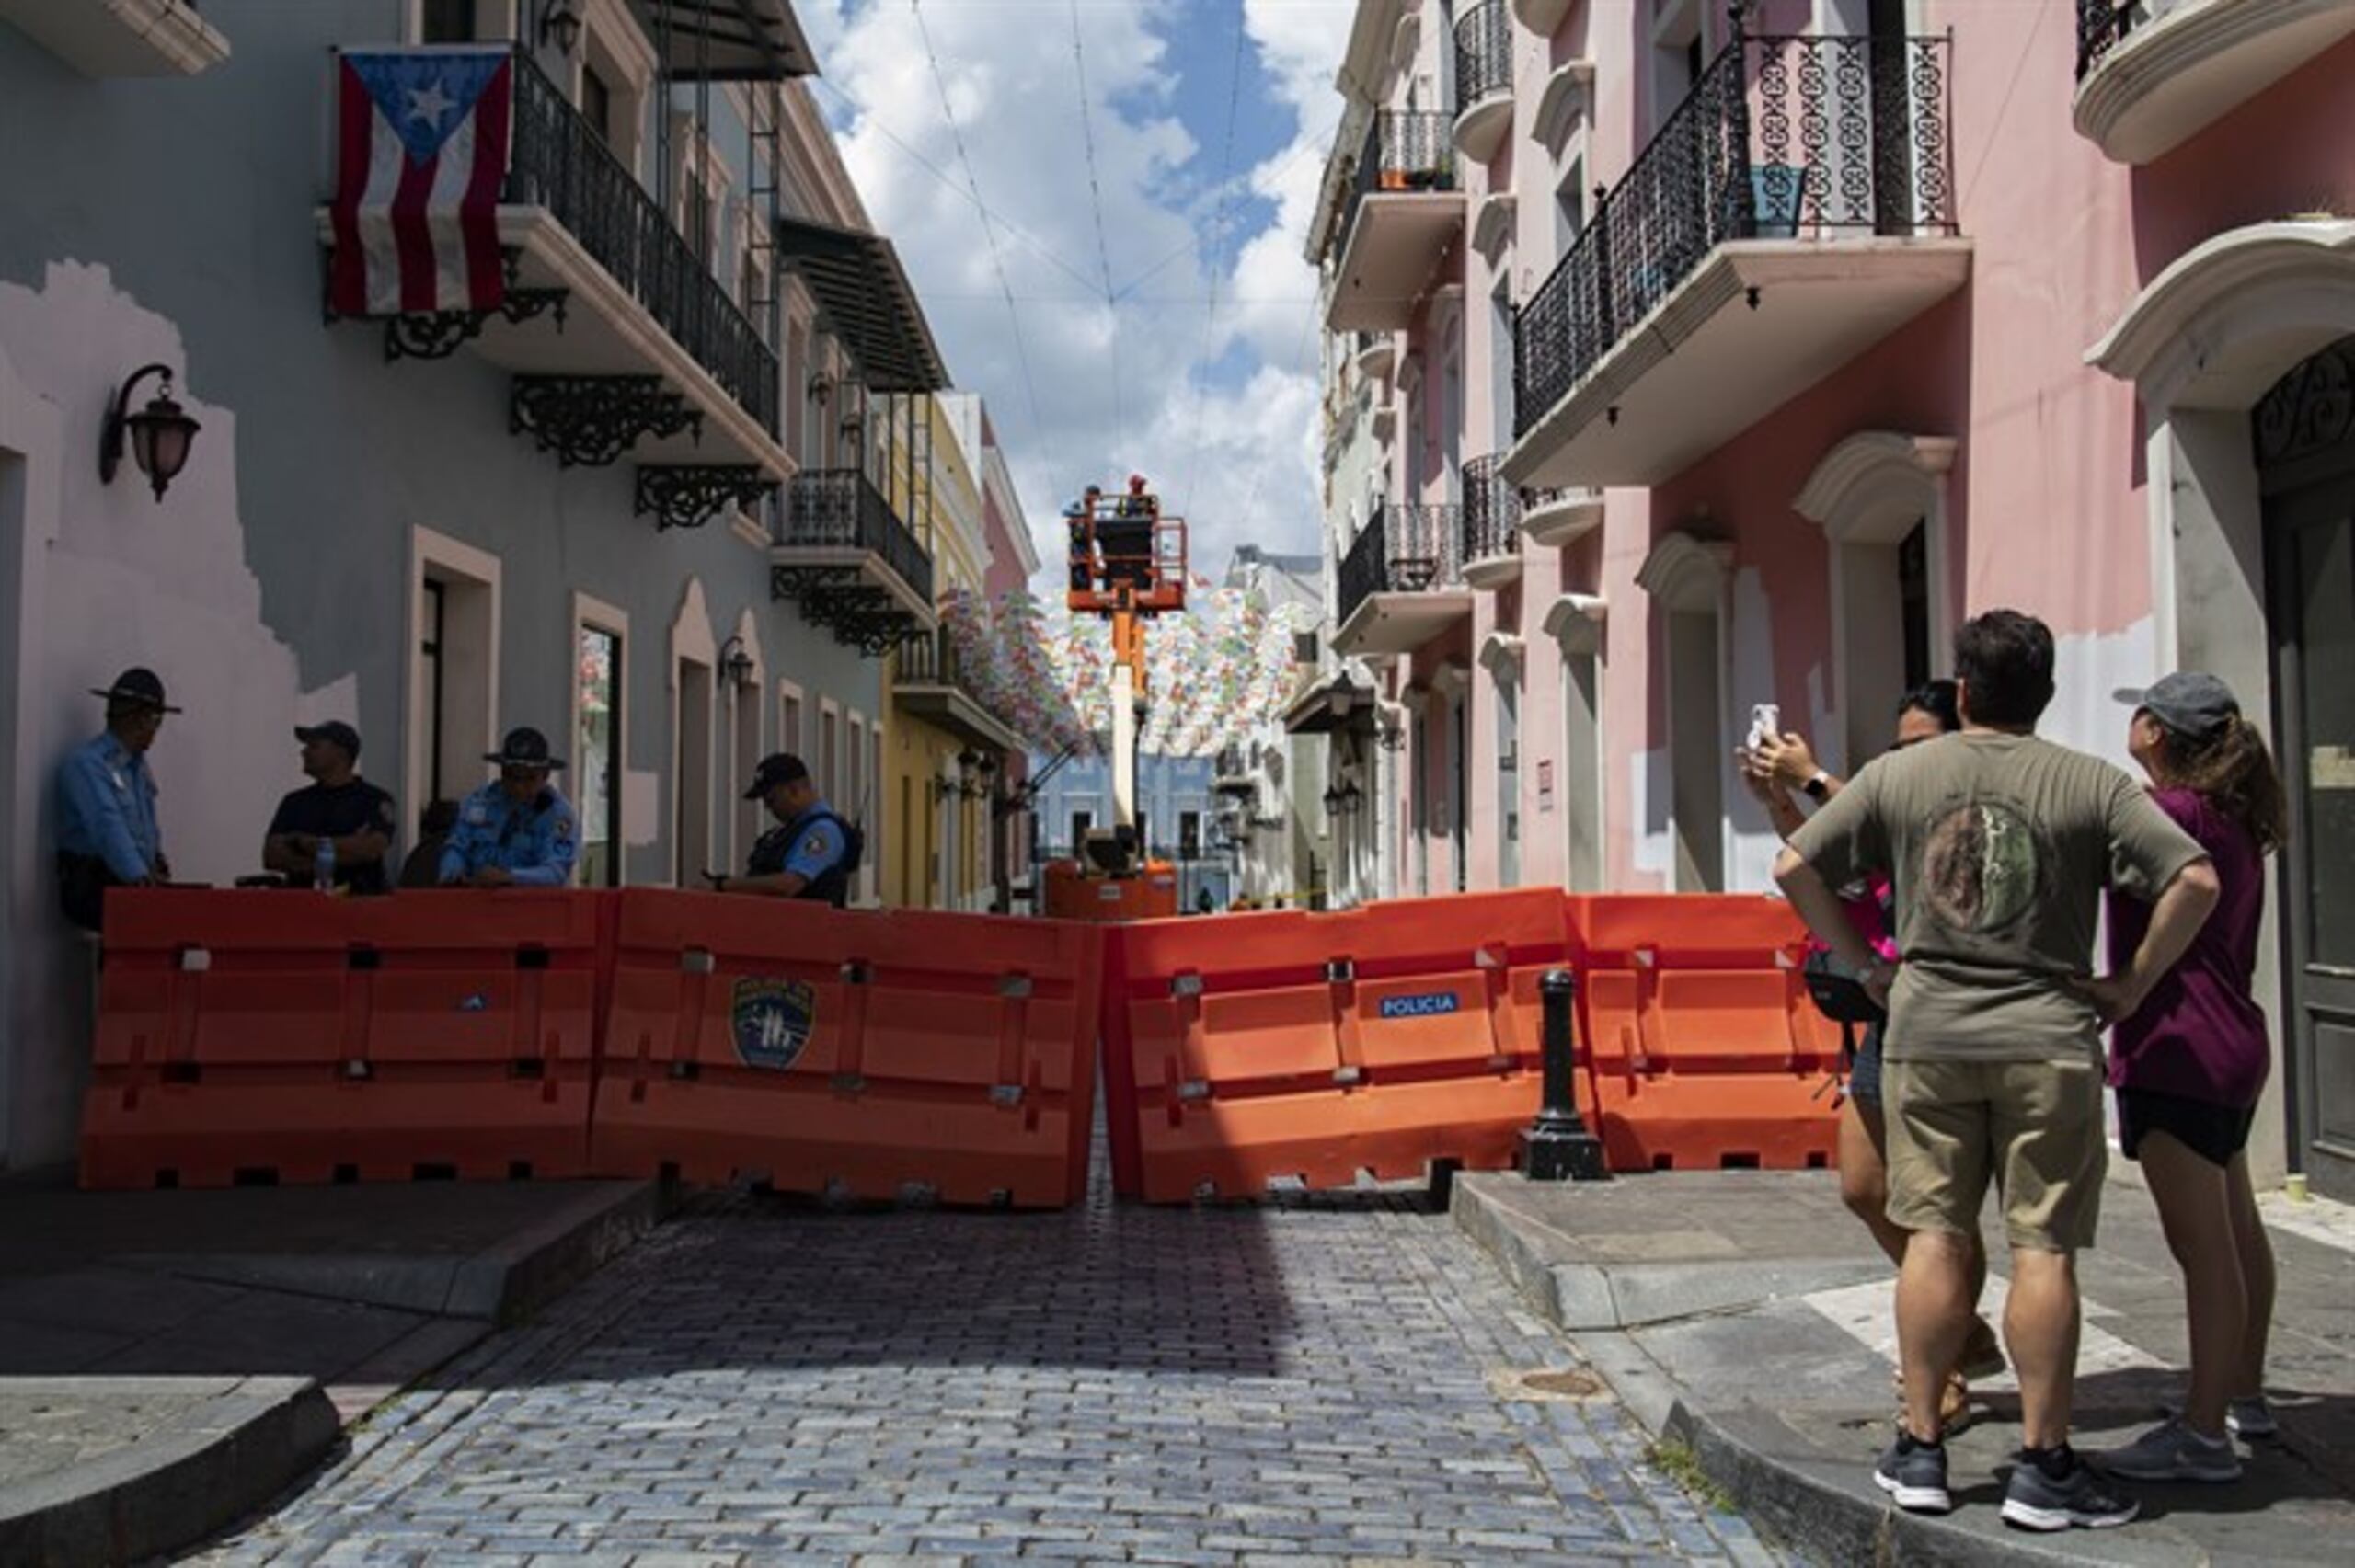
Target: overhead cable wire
[1096, 198]
[989, 232]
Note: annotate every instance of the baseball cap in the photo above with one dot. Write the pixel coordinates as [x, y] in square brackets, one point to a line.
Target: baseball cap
[776, 767]
[334, 731]
[2190, 703]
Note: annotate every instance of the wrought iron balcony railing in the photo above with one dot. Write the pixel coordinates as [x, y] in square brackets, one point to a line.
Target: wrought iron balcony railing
[2102, 26]
[1404, 549]
[1404, 150]
[839, 508]
[1781, 138]
[560, 162]
[1491, 512]
[1483, 53]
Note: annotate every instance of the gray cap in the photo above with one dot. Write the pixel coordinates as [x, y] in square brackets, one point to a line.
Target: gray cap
[2194, 705]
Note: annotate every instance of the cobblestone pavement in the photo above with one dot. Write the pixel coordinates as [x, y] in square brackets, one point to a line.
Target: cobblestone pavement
[1316, 1381]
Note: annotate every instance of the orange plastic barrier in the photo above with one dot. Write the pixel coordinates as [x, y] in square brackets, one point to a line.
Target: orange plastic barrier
[278, 1036]
[1705, 1049]
[1151, 894]
[856, 1052]
[1243, 1048]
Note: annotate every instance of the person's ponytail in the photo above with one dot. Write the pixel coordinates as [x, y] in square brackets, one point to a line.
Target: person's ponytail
[2235, 772]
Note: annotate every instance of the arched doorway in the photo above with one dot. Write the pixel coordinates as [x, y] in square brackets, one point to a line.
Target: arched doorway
[2303, 432]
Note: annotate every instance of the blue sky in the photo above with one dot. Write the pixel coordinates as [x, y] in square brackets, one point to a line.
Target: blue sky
[1219, 407]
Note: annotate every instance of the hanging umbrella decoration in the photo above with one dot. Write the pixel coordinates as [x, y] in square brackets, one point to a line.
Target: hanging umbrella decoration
[1221, 670]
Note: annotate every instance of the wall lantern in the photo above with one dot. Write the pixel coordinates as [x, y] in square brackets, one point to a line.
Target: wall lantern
[737, 663]
[560, 26]
[160, 433]
[1341, 696]
[821, 388]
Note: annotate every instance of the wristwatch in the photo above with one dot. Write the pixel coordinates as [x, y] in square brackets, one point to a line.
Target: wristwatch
[1819, 788]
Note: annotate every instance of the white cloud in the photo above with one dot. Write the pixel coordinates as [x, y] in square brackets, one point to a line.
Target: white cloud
[1111, 385]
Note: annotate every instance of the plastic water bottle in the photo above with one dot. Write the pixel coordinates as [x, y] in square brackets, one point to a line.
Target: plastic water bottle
[323, 866]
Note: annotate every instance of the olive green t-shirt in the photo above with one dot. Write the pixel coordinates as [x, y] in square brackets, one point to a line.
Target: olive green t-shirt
[1999, 847]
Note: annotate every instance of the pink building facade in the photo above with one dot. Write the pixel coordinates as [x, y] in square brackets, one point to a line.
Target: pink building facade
[1709, 361]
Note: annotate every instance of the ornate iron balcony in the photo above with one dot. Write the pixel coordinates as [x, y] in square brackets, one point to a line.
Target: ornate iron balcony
[839, 508]
[1781, 138]
[560, 162]
[1404, 549]
[1483, 53]
[1491, 512]
[1402, 151]
[2102, 26]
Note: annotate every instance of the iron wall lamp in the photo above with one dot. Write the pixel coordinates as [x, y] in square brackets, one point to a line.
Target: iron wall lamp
[737, 663]
[560, 26]
[160, 433]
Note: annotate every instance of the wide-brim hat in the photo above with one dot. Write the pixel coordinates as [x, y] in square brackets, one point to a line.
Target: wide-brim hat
[137, 687]
[525, 748]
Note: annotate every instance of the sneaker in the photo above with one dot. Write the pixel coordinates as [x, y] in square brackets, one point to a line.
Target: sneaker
[1914, 1473]
[2034, 1501]
[2173, 1451]
[2251, 1417]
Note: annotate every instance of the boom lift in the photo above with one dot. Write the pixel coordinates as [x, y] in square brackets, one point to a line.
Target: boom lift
[1127, 566]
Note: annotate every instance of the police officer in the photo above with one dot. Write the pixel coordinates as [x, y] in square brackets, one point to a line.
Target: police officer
[340, 815]
[516, 831]
[810, 854]
[107, 832]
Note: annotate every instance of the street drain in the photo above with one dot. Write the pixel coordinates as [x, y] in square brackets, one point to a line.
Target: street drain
[1565, 1383]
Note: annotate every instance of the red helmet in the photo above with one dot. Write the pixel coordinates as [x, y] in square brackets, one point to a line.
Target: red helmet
[1136, 484]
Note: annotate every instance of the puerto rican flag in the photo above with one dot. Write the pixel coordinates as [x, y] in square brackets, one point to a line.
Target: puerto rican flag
[421, 156]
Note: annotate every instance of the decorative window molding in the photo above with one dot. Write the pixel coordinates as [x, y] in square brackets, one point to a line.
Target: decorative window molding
[1566, 102]
[1575, 620]
[1874, 487]
[1687, 574]
[2229, 316]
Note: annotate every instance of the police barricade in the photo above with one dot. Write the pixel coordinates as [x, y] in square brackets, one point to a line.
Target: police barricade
[868, 1055]
[277, 1037]
[1246, 1049]
[1706, 1048]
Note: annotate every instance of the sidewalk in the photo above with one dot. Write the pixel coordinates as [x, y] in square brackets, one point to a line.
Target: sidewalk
[169, 1361]
[1748, 1315]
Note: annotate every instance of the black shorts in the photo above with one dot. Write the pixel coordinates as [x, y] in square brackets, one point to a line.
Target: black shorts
[2214, 1132]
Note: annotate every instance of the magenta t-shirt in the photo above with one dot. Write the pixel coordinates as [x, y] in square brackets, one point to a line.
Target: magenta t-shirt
[2200, 1034]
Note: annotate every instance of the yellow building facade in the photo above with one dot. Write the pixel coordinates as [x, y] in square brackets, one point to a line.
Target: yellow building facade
[943, 751]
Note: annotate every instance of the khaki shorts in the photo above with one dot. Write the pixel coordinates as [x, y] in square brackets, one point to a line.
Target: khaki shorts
[2035, 1128]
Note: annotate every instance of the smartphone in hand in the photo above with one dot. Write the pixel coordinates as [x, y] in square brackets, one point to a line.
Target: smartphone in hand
[1765, 723]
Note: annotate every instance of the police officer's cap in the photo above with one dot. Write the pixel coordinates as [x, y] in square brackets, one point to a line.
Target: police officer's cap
[136, 688]
[776, 767]
[334, 732]
[525, 748]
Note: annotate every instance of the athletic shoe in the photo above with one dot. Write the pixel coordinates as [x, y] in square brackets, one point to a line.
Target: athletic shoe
[2173, 1451]
[2034, 1501]
[2251, 1417]
[1914, 1473]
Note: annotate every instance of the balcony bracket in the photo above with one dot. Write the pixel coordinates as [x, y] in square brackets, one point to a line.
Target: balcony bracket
[437, 335]
[591, 420]
[866, 618]
[688, 495]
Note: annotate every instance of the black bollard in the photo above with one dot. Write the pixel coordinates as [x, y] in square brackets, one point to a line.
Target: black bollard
[1558, 1146]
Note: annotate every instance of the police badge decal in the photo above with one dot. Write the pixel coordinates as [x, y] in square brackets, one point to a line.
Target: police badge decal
[773, 1022]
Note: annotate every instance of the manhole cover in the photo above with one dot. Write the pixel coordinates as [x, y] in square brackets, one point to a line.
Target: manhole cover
[1569, 1382]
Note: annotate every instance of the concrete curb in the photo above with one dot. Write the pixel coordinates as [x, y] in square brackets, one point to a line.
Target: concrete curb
[512, 1280]
[1826, 1523]
[202, 1469]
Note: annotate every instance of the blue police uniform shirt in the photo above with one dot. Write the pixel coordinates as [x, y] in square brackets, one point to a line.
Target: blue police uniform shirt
[106, 808]
[817, 847]
[534, 841]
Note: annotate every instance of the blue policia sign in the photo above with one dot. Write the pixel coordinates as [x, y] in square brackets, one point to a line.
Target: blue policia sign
[1430, 1004]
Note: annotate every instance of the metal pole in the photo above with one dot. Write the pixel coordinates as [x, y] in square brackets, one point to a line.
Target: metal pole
[1558, 1146]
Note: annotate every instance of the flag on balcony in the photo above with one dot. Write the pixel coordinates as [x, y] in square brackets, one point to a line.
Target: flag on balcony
[422, 154]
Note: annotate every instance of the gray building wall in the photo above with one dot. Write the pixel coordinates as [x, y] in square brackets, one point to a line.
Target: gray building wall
[176, 219]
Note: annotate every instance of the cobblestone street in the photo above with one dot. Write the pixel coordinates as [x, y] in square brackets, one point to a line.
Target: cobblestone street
[1310, 1381]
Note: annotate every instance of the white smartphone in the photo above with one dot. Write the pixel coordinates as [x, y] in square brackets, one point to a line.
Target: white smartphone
[1765, 723]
